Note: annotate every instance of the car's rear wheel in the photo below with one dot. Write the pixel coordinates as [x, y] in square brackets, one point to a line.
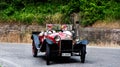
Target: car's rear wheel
[47, 54]
[83, 53]
[34, 50]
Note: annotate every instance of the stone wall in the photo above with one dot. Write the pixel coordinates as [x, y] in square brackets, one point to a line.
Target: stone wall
[22, 34]
[98, 35]
[17, 33]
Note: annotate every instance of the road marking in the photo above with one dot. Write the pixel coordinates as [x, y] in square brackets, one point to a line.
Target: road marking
[9, 62]
[104, 47]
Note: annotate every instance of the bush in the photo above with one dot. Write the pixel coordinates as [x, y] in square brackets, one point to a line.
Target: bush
[3, 5]
[94, 10]
[58, 11]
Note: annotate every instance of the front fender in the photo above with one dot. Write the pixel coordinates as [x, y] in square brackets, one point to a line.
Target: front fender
[82, 42]
[53, 46]
[46, 41]
[50, 42]
[79, 44]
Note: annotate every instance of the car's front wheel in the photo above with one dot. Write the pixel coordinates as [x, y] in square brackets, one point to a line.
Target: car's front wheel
[34, 50]
[47, 54]
[83, 53]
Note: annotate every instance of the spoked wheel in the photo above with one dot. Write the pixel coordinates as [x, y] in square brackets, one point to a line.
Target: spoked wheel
[83, 53]
[47, 54]
[34, 50]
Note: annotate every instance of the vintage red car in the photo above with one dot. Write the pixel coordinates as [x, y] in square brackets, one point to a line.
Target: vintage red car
[58, 42]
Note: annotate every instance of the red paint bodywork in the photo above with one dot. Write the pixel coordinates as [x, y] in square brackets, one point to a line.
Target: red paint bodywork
[51, 36]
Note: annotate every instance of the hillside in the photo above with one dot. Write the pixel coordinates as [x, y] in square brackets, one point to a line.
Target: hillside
[58, 11]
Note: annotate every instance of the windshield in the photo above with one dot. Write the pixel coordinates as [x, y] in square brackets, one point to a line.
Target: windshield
[58, 27]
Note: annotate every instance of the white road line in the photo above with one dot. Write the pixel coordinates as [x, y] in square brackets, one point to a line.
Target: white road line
[103, 47]
[10, 62]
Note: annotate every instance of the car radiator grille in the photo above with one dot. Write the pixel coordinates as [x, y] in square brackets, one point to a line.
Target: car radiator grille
[66, 45]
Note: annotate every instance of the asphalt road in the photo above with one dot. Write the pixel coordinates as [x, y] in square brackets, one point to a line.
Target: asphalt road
[20, 55]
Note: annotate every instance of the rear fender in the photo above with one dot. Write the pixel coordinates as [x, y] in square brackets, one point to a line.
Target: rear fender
[36, 40]
[35, 33]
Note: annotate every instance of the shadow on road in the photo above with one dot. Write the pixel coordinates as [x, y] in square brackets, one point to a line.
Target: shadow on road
[60, 60]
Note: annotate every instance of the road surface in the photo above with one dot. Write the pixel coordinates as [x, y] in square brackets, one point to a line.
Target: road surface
[20, 55]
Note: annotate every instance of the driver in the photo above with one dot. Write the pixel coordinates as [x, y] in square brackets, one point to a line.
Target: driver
[50, 29]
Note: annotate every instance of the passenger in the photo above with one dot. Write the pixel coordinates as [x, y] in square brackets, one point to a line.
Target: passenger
[64, 29]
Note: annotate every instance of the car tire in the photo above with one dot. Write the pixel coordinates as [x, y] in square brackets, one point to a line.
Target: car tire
[83, 53]
[34, 50]
[47, 54]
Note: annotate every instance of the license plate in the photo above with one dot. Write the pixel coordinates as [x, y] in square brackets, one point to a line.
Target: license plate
[66, 54]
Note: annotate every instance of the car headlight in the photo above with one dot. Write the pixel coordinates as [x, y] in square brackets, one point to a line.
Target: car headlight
[57, 38]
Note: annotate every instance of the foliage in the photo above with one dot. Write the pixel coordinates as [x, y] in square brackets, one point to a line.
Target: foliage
[58, 11]
[94, 10]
